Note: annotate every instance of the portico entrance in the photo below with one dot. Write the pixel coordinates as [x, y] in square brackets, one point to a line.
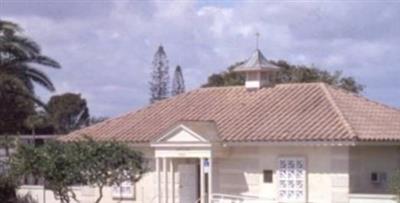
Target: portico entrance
[183, 180]
[187, 153]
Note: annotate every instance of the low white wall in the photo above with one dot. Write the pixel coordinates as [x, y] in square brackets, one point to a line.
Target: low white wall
[372, 198]
[84, 194]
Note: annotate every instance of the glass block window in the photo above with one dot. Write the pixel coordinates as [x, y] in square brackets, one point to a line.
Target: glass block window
[123, 191]
[291, 179]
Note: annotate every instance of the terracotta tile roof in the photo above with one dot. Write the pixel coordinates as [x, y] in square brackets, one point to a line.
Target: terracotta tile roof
[287, 112]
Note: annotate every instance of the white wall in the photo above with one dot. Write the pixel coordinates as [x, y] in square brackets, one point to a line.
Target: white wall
[240, 172]
[367, 159]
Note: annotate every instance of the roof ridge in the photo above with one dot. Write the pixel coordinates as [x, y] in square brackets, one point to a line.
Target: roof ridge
[338, 110]
[242, 86]
[299, 83]
[220, 87]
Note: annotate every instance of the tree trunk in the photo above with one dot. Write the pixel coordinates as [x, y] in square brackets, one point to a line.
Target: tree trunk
[100, 194]
[73, 195]
[6, 146]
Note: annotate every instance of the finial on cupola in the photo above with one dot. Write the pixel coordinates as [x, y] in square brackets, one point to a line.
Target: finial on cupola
[257, 70]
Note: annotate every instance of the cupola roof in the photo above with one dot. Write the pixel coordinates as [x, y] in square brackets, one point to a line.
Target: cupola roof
[256, 62]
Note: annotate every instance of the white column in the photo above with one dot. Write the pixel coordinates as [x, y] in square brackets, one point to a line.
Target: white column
[210, 167]
[172, 175]
[202, 195]
[158, 182]
[165, 174]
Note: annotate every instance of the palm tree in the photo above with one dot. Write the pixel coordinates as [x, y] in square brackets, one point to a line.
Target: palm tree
[19, 57]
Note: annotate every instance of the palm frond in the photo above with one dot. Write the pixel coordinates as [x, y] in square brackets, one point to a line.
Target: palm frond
[42, 60]
[9, 27]
[18, 72]
[29, 45]
[46, 61]
[12, 50]
[40, 78]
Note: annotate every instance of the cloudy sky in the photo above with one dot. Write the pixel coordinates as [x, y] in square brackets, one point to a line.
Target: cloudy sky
[106, 46]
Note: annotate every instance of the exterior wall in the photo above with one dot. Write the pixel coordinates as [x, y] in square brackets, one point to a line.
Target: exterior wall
[332, 174]
[367, 159]
[240, 172]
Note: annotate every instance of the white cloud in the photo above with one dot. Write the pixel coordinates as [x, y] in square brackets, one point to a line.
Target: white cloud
[106, 48]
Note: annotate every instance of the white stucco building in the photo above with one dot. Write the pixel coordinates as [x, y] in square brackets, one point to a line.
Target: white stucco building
[259, 143]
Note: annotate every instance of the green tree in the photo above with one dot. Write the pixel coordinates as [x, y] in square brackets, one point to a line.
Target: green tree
[107, 163]
[53, 162]
[37, 122]
[394, 184]
[15, 107]
[68, 112]
[84, 162]
[19, 56]
[160, 76]
[178, 83]
[7, 188]
[289, 73]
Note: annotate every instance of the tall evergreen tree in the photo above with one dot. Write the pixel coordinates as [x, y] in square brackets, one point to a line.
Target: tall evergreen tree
[159, 76]
[178, 83]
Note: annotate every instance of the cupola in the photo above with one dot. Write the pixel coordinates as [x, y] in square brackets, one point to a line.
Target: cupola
[258, 71]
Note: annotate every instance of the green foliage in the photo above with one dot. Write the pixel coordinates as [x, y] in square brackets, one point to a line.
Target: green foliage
[19, 59]
[54, 162]
[226, 78]
[68, 112]
[289, 73]
[7, 189]
[178, 83]
[19, 53]
[394, 184]
[14, 105]
[107, 163]
[88, 162]
[39, 123]
[159, 76]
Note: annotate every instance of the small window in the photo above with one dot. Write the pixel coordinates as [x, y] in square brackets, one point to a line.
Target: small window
[374, 177]
[267, 176]
[378, 177]
[125, 190]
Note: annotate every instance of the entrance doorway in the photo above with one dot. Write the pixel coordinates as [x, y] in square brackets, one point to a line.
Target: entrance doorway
[188, 183]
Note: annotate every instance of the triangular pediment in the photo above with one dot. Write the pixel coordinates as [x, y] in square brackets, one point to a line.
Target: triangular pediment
[181, 134]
